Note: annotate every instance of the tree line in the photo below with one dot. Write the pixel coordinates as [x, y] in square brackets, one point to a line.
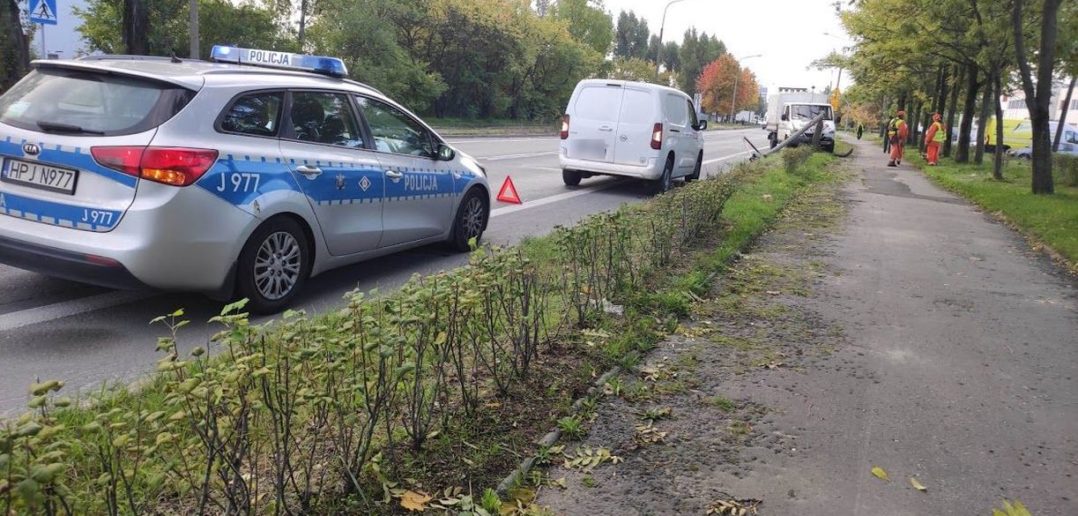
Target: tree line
[447, 58]
[957, 58]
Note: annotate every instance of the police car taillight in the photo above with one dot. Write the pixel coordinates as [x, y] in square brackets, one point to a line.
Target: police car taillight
[565, 126]
[176, 166]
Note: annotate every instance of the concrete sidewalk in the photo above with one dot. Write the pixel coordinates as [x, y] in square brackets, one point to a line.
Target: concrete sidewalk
[957, 364]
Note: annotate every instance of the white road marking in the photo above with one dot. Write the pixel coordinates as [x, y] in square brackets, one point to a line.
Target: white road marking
[40, 314]
[515, 156]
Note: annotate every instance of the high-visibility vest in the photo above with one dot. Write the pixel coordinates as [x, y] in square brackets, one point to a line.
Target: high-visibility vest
[941, 135]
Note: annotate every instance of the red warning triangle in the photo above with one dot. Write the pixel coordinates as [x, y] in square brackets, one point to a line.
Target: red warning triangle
[508, 193]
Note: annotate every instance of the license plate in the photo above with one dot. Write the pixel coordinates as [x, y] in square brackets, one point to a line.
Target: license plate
[41, 176]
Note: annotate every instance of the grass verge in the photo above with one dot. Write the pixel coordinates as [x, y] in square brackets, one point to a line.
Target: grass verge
[419, 398]
[1051, 220]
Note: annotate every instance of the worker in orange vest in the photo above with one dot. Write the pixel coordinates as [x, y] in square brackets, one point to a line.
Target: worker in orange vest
[897, 131]
[934, 137]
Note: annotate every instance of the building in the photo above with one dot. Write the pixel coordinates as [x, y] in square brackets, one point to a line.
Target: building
[1014, 105]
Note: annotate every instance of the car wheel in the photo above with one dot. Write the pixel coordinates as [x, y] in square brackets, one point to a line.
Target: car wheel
[696, 170]
[273, 265]
[664, 182]
[571, 177]
[830, 149]
[470, 222]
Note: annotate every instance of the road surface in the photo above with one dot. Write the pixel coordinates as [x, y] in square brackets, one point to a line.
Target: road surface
[83, 335]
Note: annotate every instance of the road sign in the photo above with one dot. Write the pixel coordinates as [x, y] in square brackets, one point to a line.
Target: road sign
[508, 193]
[43, 12]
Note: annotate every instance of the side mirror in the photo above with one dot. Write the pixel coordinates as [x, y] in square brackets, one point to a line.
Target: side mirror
[785, 118]
[700, 125]
[445, 152]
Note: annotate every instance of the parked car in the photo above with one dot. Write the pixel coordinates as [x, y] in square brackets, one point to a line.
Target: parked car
[630, 129]
[240, 177]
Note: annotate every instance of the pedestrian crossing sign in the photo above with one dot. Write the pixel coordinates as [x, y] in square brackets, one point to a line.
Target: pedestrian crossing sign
[43, 12]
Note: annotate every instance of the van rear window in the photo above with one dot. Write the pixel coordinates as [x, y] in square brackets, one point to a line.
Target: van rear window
[77, 102]
[599, 103]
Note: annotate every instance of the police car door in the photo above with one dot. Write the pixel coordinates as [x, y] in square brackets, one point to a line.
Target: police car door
[324, 146]
[419, 190]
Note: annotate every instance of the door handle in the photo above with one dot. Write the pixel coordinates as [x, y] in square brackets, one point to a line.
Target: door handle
[394, 175]
[309, 172]
[606, 128]
[675, 130]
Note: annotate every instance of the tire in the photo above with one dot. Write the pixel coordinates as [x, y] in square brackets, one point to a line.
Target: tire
[696, 170]
[665, 181]
[470, 222]
[273, 265]
[571, 177]
[830, 149]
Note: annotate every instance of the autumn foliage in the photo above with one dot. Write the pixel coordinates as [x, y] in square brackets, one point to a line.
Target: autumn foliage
[716, 86]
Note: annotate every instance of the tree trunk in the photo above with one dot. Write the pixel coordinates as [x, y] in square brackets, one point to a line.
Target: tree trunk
[136, 28]
[1063, 116]
[982, 121]
[952, 108]
[14, 46]
[1038, 98]
[997, 163]
[940, 92]
[302, 23]
[972, 87]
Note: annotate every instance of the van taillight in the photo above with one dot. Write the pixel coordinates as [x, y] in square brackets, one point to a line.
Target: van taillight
[177, 166]
[657, 136]
[564, 126]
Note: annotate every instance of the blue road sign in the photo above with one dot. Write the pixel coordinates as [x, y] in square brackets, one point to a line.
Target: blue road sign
[43, 12]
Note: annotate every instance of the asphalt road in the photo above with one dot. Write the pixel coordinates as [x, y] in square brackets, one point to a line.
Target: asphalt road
[89, 336]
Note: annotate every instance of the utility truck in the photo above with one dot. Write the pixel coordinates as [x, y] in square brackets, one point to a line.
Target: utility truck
[788, 112]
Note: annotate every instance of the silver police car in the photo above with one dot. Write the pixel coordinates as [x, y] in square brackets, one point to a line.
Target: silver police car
[238, 177]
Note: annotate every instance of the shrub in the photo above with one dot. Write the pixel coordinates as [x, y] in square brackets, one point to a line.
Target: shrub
[794, 157]
[1065, 169]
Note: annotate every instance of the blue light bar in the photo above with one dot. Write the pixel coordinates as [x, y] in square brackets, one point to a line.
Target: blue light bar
[330, 66]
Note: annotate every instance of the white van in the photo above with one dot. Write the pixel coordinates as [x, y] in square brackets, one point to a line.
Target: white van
[631, 129]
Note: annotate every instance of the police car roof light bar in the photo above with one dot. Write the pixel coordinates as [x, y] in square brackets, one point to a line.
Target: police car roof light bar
[330, 66]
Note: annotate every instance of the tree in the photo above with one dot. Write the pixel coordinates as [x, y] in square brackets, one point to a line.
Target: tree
[697, 50]
[1039, 95]
[631, 36]
[716, 86]
[14, 45]
[634, 69]
[588, 23]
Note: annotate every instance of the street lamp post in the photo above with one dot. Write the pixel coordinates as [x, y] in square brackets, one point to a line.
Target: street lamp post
[733, 101]
[659, 47]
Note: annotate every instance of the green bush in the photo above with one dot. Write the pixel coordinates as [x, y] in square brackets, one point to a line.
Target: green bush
[1065, 169]
[794, 158]
[290, 414]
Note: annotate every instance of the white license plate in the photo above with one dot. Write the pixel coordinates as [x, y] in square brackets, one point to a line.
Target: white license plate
[38, 175]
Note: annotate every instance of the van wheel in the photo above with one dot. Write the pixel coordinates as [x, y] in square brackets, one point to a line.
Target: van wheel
[696, 170]
[273, 265]
[470, 222]
[664, 182]
[571, 177]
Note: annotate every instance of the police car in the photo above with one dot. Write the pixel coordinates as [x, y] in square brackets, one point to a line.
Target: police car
[238, 177]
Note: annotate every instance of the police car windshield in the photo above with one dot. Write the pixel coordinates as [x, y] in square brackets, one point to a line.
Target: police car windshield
[808, 112]
[82, 103]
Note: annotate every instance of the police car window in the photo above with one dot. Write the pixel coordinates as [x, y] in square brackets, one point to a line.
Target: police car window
[319, 117]
[256, 114]
[88, 103]
[393, 131]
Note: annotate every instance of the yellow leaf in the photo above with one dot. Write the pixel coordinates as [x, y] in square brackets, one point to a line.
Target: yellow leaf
[917, 485]
[880, 473]
[414, 501]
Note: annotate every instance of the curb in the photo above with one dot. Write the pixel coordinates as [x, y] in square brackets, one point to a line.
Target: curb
[551, 437]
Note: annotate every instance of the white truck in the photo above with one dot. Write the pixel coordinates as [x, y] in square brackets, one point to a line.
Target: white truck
[788, 112]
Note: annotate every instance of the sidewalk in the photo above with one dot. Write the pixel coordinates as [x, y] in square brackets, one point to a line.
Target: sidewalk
[891, 325]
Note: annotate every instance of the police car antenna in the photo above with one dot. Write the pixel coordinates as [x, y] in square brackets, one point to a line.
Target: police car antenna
[175, 59]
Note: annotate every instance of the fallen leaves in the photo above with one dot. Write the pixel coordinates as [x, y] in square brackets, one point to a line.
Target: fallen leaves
[1017, 509]
[647, 434]
[917, 485]
[734, 507]
[586, 459]
[414, 502]
[880, 473]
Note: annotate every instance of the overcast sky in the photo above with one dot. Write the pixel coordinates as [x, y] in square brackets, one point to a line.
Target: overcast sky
[789, 33]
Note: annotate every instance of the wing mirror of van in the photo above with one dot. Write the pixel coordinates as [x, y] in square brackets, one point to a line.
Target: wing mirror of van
[445, 152]
[700, 125]
[785, 118]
